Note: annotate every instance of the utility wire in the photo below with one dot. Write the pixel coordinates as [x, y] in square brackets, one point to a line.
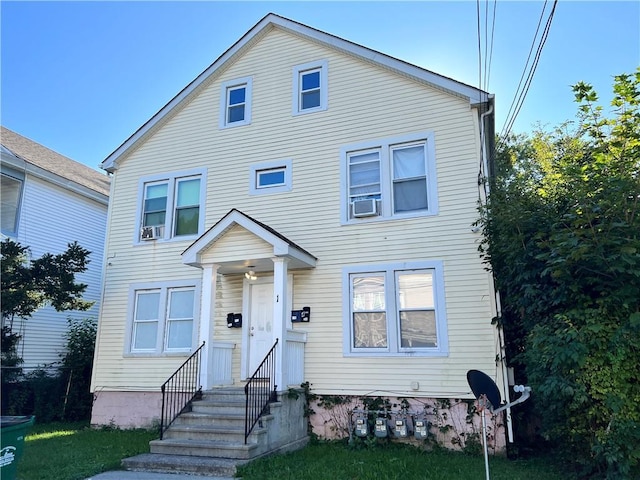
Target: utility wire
[518, 101]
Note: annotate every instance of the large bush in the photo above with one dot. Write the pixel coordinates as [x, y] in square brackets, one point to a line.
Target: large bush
[562, 235]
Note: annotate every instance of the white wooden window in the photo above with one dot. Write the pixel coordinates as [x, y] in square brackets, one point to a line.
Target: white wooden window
[310, 87]
[270, 177]
[394, 310]
[235, 104]
[10, 196]
[389, 178]
[162, 318]
[171, 205]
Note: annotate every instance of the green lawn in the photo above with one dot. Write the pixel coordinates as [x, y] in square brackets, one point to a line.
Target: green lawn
[75, 452]
[335, 461]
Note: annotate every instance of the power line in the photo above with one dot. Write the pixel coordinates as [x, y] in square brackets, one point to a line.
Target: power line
[518, 101]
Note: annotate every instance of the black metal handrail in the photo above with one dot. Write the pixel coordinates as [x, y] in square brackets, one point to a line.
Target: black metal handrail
[180, 389]
[259, 391]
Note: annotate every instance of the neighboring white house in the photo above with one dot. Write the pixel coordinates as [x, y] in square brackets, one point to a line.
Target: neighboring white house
[49, 201]
[300, 170]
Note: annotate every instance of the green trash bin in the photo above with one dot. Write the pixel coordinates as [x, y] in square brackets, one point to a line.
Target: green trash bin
[13, 429]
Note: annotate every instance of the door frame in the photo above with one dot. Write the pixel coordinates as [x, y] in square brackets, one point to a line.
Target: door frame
[267, 277]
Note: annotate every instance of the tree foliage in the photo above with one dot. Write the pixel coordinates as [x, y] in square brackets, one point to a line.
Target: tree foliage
[28, 285]
[562, 235]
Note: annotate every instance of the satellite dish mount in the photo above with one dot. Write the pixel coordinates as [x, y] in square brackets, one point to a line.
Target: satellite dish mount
[488, 396]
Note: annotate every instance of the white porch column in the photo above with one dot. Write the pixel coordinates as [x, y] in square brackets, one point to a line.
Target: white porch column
[280, 316]
[207, 314]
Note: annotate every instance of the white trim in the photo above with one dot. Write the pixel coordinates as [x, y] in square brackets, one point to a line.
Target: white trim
[171, 178]
[296, 107]
[393, 348]
[163, 287]
[286, 165]
[384, 147]
[474, 95]
[247, 83]
[192, 255]
[18, 177]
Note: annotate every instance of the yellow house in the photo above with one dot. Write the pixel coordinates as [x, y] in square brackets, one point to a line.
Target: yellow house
[307, 196]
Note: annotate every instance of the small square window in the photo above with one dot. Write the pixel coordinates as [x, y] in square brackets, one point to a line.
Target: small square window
[270, 177]
[235, 102]
[310, 87]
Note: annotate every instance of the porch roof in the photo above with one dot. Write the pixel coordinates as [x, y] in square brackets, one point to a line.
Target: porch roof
[280, 246]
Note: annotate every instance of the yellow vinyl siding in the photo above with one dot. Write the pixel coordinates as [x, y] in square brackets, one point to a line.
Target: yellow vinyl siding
[365, 102]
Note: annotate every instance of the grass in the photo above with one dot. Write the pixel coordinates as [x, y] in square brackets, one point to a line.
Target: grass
[65, 451]
[76, 452]
[336, 461]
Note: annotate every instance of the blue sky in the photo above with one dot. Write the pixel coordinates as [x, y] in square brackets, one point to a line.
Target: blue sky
[81, 77]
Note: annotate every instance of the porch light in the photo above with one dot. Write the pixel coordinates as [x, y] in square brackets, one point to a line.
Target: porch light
[250, 275]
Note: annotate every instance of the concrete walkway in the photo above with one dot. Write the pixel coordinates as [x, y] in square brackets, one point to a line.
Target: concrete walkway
[129, 475]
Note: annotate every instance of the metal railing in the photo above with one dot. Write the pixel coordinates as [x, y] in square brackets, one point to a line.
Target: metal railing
[180, 389]
[259, 391]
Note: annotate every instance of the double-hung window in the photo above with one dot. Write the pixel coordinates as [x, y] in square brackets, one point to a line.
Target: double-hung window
[389, 178]
[394, 310]
[10, 195]
[310, 87]
[171, 205]
[235, 105]
[162, 318]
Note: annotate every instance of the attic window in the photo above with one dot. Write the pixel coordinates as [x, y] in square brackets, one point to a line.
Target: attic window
[235, 103]
[310, 87]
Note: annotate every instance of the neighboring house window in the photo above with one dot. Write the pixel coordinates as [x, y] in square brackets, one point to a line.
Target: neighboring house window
[395, 309]
[10, 195]
[171, 205]
[310, 87]
[270, 177]
[235, 106]
[389, 178]
[162, 318]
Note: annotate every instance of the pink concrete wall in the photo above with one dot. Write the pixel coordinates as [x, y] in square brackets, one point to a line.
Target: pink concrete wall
[126, 409]
[453, 423]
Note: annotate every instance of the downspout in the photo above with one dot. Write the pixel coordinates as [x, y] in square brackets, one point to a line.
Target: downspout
[498, 308]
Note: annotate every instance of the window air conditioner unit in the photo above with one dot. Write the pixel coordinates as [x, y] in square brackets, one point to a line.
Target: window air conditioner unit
[364, 208]
[151, 233]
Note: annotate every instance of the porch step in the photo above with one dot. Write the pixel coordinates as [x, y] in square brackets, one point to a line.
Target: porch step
[205, 448]
[156, 462]
[209, 439]
[205, 432]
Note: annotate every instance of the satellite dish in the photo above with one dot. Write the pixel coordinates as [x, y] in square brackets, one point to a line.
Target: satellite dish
[482, 384]
[486, 390]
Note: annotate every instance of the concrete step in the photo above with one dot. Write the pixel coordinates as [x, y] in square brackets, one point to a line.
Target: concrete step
[205, 448]
[218, 406]
[210, 419]
[155, 462]
[201, 432]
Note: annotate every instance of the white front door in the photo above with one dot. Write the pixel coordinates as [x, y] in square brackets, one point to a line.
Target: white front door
[260, 323]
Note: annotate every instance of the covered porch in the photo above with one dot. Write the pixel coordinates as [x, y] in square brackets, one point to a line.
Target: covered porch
[240, 246]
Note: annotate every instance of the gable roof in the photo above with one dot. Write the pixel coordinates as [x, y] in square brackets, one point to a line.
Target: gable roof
[282, 246]
[48, 163]
[269, 22]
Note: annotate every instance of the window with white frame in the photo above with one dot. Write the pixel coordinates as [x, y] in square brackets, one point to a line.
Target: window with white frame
[394, 309]
[162, 318]
[388, 178]
[10, 195]
[310, 87]
[171, 204]
[235, 104]
[270, 177]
